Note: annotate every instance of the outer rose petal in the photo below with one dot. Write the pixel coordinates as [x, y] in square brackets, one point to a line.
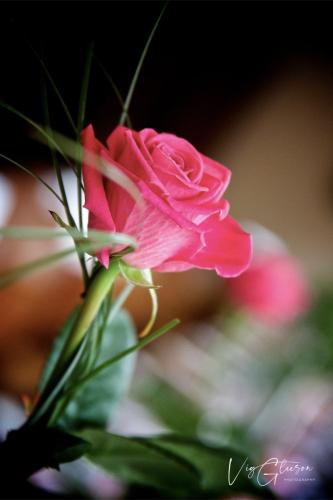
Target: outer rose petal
[228, 249]
[159, 237]
[95, 197]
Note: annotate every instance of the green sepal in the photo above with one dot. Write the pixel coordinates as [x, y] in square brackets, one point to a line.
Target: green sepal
[142, 277]
[138, 277]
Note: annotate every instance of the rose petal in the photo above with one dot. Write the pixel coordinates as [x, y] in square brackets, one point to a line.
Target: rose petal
[159, 237]
[227, 249]
[95, 197]
[199, 213]
[127, 149]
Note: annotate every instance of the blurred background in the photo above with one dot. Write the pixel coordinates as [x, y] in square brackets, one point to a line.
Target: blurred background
[249, 84]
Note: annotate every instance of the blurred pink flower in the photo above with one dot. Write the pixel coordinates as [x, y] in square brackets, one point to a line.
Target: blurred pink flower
[273, 289]
[185, 222]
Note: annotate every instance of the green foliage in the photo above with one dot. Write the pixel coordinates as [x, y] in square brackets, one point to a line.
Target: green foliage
[320, 321]
[31, 448]
[172, 408]
[212, 465]
[57, 347]
[321, 316]
[97, 241]
[94, 402]
[137, 461]
[177, 467]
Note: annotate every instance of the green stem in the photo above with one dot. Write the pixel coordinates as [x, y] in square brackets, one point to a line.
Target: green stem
[112, 310]
[96, 293]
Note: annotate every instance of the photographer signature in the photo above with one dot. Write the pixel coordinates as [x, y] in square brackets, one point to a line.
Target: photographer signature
[269, 471]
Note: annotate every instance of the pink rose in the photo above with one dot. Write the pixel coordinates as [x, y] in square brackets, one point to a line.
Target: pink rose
[273, 289]
[185, 223]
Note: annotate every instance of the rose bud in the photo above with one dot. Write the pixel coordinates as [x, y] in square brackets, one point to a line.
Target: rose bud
[274, 289]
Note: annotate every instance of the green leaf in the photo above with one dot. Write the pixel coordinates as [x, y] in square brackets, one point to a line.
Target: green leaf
[67, 447]
[178, 412]
[213, 464]
[174, 465]
[137, 461]
[136, 347]
[94, 402]
[30, 448]
[57, 347]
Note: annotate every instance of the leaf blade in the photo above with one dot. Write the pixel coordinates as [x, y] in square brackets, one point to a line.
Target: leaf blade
[135, 461]
[94, 403]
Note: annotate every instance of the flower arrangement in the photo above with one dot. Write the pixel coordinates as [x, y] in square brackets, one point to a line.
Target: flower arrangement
[155, 203]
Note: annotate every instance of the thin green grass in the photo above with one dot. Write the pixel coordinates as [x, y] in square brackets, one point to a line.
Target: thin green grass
[133, 83]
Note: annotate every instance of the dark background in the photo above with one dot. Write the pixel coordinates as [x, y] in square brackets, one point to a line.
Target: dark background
[206, 60]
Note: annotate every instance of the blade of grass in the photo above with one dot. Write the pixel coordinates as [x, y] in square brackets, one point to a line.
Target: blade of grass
[80, 123]
[34, 175]
[47, 233]
[54, 87]
[49, 395]
[139, 345]
[115, 89]
[84, 88]
[54, 157]
[37, 127]
[9, 277]
[57, 168]
[138, 69]
[75, 151]
[51, 142]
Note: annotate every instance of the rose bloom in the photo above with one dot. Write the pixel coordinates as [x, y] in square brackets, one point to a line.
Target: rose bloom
[185, 222]
[273, 290]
